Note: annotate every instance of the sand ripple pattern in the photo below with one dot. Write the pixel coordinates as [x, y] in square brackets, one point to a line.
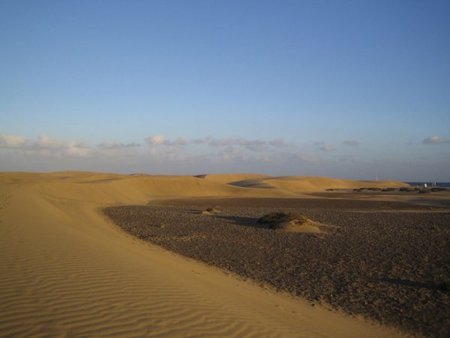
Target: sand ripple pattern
[54, 284]
[65, 271]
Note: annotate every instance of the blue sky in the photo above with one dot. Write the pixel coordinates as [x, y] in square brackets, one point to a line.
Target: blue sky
[356, 89]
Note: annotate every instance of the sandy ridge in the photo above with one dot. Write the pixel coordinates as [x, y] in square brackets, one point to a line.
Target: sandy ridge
[66, 271]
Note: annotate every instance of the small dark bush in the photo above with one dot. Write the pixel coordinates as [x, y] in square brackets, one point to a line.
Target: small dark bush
[274, 219]
[211, 210]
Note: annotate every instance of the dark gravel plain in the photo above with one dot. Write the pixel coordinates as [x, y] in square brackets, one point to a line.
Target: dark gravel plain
[386, 261]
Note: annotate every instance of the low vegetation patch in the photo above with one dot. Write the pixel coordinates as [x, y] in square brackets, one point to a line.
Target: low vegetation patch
[210, 211]
[274, 219]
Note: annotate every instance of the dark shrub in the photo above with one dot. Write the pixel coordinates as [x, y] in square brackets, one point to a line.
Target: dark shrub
[211, 210]
[273, 220]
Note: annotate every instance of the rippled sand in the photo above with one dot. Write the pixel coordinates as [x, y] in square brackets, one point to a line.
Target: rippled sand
[65, 270]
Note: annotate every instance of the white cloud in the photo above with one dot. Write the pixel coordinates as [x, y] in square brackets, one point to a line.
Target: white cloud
[12, 141]
[159, 140]
[435, 139]
[118, 145]
[239, 152]
[60, 148]
[163, 155]
[77, 149]
[252, 145]
[45, 146]
[208, 154]
[155, 140]
[44, 142]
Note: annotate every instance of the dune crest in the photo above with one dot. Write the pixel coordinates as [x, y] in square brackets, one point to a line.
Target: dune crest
[306, 184]
[67, 271]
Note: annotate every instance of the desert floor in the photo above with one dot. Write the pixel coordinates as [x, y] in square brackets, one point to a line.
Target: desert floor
[67, 270]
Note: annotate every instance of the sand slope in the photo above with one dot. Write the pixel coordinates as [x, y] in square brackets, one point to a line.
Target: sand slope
[305, 184]
[66, 271]
[228, 178]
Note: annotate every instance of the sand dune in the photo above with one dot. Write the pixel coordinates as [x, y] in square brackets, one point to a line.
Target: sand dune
[228, 178]
[304, 184]
[67, 271]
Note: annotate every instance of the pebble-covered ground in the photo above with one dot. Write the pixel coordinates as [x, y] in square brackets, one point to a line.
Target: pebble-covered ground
[386, 261]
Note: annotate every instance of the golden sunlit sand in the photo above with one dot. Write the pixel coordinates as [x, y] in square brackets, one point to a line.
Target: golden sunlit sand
[66, 270]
